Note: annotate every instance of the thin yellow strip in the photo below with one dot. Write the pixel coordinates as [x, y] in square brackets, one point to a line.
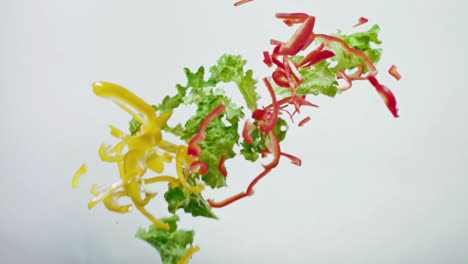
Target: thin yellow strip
[82, 170]
[117, 132]
[170, 179]
[155, 221]
[104, 154]
[189, 255]
[114, 91]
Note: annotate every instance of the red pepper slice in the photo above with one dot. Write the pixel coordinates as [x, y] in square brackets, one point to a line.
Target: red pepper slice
[394, 72]
[386, 94]
[300, 38]
[242, 2]
[249, 127]
[294, 160]
[279, 76]
[304, 121]
[193, 148]
[221, 166]
[273, 119]
[362, 20]
[267, 59]
[320, 56]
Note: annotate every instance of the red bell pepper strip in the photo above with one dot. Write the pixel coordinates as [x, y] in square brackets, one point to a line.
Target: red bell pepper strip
[300, 38]
[193, 148]
[279, 77]
[267, 59]
[294, 160]
[321, 56]
[221, 166]
[394, 72]
[249, 127]
[304, 121]
[362, 20]
[349, 83]
[242, 2]
[273, 119]
[386, 94]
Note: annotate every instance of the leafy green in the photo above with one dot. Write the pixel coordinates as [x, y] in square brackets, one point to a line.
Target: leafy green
[220, 138]
[192, 203]
[230, 68]
[171, 244]
[361, 41]
[251, 152]
[178, 130]
[317, 79]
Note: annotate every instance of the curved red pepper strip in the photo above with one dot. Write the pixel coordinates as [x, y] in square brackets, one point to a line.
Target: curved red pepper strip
[271, 122]
[221, 166]
[249, 127]
[300, 38]
[279, 76]
[349, 82]
[294, 160]
[321, 56]
[193, 148]
[260, 114]
[250, 191]
[292, 15]
[304, 121]
[361, 54]
[311, 55]
[362, 20]
[242, 2]
[386, 94]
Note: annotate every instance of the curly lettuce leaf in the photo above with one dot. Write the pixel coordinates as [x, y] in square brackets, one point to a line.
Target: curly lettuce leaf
[220, 137]
[192, 203]
[171, 244]
[362, 41]
[230, 68]
[317, 79]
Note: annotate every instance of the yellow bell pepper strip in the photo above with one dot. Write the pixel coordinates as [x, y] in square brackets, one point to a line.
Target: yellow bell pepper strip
[146, 149]
[182, 159]
[82, 170]
[188, 256]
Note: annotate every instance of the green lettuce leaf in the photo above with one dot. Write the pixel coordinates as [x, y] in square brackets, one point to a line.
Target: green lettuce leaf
[230, 68]
[171, 244]
[220, 137]
[362, 41]
[192, 203]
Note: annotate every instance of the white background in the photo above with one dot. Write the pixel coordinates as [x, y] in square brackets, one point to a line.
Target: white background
[372, 189]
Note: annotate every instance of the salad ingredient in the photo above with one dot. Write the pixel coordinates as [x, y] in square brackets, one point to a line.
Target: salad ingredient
[394, 72]
[82, 170]
[172, 244]
[308, 63]
[362, 20]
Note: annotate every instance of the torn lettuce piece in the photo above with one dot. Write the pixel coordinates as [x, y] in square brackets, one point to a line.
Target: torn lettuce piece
[192, 203]
[171, 244]
[230, 68]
